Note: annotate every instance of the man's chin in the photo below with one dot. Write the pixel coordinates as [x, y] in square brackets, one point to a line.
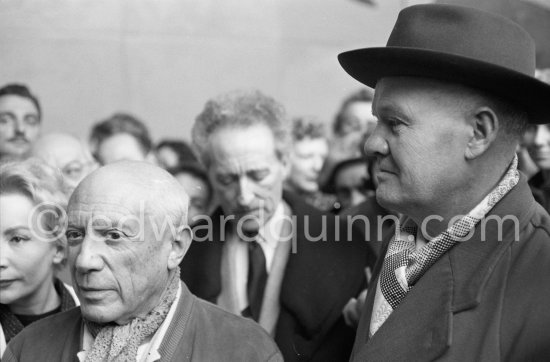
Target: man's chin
[97, 314]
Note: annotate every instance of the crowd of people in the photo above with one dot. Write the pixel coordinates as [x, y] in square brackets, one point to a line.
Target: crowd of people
[417, 230]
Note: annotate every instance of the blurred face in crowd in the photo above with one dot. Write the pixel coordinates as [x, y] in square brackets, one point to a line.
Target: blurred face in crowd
[120, 254]
[247, 174]
[167, 158]
[306, 161]
[121, 146]
[350, 184]
[358, 118]
[419, 143]
[27, 259]
[66, 153]
[538, 144]
[19, 126]
[199, 195]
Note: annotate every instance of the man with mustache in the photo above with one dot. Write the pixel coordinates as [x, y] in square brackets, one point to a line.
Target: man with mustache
[464, 277]
[127, 234]
[264, 254]
[20, 121]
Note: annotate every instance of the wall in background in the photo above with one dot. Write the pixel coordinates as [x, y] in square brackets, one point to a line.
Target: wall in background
[162, 59]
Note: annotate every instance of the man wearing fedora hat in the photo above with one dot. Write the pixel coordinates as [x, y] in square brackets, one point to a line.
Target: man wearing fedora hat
[464, 276]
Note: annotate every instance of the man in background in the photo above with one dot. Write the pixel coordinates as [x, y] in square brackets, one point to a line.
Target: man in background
[20, 121]
[121, 137]
[266, 254]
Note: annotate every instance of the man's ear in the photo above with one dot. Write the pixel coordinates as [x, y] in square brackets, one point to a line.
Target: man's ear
[485, 126]
[179, 247]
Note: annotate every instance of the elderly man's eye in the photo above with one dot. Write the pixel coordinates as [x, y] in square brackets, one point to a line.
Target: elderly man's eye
[115, 235]
[259, 175]
[226, 179]
[74, 236]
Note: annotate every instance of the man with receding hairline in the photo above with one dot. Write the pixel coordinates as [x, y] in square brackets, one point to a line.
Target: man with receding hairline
[464, 276]
[127, 234]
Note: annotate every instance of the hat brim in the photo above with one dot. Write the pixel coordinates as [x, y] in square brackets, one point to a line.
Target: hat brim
[371, 64]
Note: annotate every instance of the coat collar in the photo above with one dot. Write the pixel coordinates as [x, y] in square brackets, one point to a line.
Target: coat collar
[321, 276]
[420, 328]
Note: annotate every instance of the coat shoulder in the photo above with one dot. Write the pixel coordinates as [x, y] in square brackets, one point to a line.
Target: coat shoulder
[41, 338]
[234, 337]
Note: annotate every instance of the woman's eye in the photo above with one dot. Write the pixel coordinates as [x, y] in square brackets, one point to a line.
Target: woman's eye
[18, 238]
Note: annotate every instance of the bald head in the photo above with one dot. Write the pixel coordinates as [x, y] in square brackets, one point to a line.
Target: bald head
[127, 234]
[67, 153]
[135, 185]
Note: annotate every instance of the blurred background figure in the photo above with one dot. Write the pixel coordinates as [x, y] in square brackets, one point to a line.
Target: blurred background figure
[354, 117]
[307, 156]
[121, 137]
[174, 153]
[66, 153]
[537, 143]
[350, 181]
[352, 125]
[194, 179]
[20, 121]
[32, 249]
[538, 137]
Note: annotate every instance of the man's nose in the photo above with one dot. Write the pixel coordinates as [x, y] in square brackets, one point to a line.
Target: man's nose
[87, 256]
[318, 163]
[246, 194]
[376, 144]
[20, 126]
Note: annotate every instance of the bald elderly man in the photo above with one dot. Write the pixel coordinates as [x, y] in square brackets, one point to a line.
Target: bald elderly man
[66, 153]
[127, 234]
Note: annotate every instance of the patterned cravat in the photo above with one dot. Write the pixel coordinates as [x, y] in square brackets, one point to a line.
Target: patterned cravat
[403, 265]
[392, 282]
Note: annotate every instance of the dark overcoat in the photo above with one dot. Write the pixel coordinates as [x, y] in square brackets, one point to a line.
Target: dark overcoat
[481, 301]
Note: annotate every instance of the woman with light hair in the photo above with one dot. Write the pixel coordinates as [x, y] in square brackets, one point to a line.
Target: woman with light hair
[32, 246]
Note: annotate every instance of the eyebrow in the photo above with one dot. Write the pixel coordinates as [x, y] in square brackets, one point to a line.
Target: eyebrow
[15, 229]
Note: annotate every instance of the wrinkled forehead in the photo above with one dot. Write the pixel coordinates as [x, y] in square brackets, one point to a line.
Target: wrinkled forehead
[86, 208]
[111, 201]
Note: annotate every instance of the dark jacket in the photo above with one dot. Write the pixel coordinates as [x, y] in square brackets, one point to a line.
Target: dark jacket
[481, 301]
[199, 331]
[541, 190]
[318, 281]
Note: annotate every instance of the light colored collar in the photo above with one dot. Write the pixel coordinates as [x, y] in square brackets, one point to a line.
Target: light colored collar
[270, 232]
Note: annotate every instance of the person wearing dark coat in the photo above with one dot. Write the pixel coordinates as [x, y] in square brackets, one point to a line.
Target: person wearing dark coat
[465, 274]
[272, 258]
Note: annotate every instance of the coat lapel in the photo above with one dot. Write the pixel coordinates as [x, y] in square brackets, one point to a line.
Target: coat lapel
[321, 276]
[421, 327]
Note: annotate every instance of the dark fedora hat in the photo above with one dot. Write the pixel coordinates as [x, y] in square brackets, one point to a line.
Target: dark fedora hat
[461, 45]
